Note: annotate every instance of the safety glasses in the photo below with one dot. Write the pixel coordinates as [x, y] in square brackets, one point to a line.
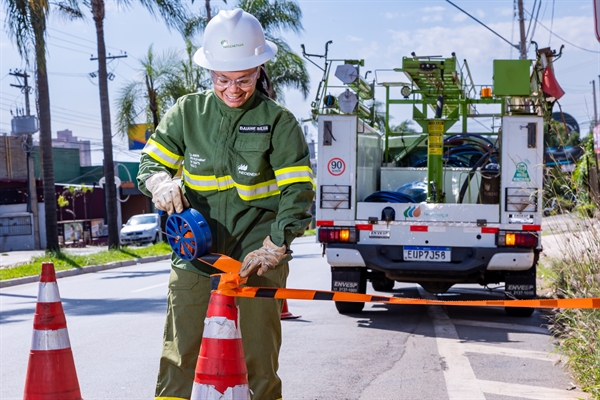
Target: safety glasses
[242, 83]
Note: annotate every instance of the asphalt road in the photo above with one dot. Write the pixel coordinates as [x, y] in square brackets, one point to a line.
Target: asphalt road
[115, 322]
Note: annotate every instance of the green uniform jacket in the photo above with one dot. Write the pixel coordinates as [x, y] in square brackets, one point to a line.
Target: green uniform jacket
[246, 169]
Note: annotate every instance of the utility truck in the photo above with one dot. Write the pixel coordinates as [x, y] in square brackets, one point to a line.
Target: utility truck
[447, 205]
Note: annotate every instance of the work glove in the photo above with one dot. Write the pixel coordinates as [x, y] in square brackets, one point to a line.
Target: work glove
[166, 194]
[261, 260]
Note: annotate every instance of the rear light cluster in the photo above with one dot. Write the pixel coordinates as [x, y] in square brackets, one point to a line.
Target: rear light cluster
[333, 234]
[517, 239]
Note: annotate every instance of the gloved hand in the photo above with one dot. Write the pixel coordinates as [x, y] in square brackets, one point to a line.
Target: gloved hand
[263, 259]
[166, 194]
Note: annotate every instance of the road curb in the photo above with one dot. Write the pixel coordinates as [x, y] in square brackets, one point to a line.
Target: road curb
[84, 270]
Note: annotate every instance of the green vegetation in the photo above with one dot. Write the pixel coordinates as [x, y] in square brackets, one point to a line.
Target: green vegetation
[64, 261]
[577, 272]
[578, 330]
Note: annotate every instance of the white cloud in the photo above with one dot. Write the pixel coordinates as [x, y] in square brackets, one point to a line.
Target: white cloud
[504, 11]
[479, 13]
[431, 18]
[433, 9]
[389, 15]
[460, 17]
[351, 38]
[370, 51]
[479, 46]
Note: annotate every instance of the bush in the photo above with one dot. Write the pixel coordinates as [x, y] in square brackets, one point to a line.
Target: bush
[578, 330]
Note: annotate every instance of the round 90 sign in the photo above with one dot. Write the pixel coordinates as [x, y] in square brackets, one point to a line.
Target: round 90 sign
[336, 166]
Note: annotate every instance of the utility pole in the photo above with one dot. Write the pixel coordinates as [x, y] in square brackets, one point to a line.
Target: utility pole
[595, 104]
[32, 204]
[522, 43]
[594, 186]
[24, 87]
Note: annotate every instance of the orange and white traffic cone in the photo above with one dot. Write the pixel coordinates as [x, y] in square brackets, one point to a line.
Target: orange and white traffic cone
[286, 314]
[51, 370]
[221, 371]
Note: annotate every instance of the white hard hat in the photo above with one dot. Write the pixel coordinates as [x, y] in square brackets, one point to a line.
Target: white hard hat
[234, 41]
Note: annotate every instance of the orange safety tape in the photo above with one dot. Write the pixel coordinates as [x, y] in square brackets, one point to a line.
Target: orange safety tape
[229, 284]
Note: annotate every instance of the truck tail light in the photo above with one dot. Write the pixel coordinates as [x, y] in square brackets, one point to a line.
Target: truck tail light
[333, 234]
[517, 239]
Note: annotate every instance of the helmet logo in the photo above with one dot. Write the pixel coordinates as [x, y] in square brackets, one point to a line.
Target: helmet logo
[412, 212]
[225, 44]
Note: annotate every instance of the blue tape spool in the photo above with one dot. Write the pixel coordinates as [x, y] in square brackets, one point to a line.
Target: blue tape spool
[188, 234]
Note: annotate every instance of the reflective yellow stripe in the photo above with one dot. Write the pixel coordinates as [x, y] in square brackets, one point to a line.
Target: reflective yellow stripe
[205, 183]
[200, 182]
[259, 191]
[161, 154]
[286, 176]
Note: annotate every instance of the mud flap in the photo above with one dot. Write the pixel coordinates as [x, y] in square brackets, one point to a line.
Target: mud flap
[520, 284]
[349, 279]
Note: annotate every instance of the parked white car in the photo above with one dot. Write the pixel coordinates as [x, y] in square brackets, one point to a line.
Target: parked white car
[141, 228]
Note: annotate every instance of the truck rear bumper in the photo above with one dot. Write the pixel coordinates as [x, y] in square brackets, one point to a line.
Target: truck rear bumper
[465, 261]
[511, 261]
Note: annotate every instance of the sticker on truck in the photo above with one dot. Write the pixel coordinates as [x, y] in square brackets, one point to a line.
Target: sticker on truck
[336, 166]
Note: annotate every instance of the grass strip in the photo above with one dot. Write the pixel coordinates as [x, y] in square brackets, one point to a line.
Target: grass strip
[64, 261]
[577, 332]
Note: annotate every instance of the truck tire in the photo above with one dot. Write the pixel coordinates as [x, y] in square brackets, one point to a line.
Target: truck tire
[346, 307]
[383, 284]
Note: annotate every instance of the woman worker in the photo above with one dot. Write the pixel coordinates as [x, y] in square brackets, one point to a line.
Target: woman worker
[246, 168]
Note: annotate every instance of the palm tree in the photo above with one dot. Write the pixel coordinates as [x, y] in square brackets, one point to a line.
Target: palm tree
[26, 24]
[286, 69]
[165, 79]
[174, 13]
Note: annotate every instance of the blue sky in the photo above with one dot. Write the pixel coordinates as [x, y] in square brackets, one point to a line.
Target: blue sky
[381, 32]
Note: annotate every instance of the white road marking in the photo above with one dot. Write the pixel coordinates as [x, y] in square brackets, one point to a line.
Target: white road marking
[510, 352]
[529, 392]
[458, 374]
[461, 382]
[149, 287]
[499, 325]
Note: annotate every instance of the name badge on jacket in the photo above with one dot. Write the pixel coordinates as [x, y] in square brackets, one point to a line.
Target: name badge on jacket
[255, 128]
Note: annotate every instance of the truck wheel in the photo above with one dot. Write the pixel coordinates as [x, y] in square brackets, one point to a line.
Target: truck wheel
[383, 284]
[523, 312]
[346, 307]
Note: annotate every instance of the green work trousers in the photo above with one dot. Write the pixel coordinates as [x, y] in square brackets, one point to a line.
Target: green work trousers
[187, 303]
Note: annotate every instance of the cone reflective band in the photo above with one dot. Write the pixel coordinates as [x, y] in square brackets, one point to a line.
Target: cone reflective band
[221, 372]
[51, 370]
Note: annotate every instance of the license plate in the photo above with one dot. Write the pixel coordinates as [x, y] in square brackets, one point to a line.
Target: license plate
[421, 253]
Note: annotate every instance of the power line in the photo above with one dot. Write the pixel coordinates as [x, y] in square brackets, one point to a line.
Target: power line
[484, 25]
[561, 38]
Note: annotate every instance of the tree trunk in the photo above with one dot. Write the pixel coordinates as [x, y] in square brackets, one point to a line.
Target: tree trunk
[43, 110]
[109, 168]
[208, 11]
